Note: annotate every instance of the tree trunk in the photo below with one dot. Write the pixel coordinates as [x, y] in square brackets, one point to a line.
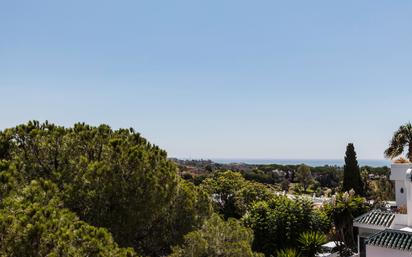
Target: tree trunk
[344, 224]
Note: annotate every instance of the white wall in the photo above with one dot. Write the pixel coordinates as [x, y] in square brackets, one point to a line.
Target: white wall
[398, 175]
[398, 170]
[373, 251]
[400, 197]
[400, 221]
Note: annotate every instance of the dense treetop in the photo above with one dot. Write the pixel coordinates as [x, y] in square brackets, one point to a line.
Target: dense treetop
[32, 223]
[109, 178]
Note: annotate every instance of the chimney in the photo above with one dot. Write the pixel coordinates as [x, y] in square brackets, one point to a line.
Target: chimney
[398, 176]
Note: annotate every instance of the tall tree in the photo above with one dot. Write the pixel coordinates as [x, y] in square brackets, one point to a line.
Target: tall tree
[109, 178]
[401, 138]
[304, 176]
[351, 174]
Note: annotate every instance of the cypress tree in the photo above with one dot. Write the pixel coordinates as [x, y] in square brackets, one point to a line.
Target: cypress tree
[351, 172]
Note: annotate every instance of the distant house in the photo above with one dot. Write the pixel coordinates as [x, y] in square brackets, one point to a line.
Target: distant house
[279, 173]
[389, 233]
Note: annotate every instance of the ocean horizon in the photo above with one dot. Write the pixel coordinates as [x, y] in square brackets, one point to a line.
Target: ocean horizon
[310, 162]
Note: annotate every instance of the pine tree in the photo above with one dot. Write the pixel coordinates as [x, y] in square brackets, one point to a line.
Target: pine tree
[304, 176]
[351, 173]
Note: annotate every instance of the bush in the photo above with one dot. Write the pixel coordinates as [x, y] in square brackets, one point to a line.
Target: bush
[277, 223]
[218, 238]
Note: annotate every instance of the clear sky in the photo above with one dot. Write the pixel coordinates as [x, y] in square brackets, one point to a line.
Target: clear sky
[215, 78]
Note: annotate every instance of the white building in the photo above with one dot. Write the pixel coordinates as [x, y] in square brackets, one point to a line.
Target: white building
[385, 233]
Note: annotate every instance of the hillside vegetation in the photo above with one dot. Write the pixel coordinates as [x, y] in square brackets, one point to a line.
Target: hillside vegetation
[95, 191]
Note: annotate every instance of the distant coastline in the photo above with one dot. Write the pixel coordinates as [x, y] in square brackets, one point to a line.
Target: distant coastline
[310, 162]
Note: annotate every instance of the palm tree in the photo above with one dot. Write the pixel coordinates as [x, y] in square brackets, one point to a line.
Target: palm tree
[401, 138]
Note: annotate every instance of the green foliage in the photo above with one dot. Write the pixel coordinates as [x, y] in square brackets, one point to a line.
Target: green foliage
[342, 210]
[110, 178]
[386, 171]
[382, 190]
[351, 174]
[190, 208]
[232, 194]
[261, 176]
[9, 178]
[296, 188]
[88, 191]
[304, 176]
[32, 223]
[4, 146]
[217, 238]
[327, 176]
[277, 223]
[401, 138]
[284, 185]
[288, 253]
[311, 243]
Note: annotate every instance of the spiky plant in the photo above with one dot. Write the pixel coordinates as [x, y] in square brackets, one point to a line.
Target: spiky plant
[288, 253]
[311, 243]
[401, 138]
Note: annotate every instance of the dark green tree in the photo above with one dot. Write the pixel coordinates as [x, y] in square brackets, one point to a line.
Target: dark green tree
[401, 138]
[10, 179]
[110, 178]
[232, 194]
[304, 176]
[4, 146]
[190, 208]
[33, 223]
[351, 174]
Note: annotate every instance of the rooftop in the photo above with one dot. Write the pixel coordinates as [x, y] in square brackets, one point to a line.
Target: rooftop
[376, 218]
[394, 239]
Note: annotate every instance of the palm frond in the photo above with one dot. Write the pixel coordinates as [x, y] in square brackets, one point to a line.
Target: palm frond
[400, 139]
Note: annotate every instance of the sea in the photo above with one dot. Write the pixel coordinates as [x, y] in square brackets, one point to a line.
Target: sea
[309, 162]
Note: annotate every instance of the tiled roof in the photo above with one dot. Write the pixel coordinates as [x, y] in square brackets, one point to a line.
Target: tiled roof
[376, 218]
[395, 239]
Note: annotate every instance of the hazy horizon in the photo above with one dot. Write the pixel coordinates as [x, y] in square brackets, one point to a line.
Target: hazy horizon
[294, 80]
[310, 162]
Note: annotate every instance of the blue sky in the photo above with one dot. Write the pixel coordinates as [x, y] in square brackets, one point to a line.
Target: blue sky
[214, 79]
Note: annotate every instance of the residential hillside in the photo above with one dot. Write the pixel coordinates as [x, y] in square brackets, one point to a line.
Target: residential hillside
[95, 191]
